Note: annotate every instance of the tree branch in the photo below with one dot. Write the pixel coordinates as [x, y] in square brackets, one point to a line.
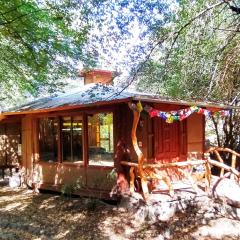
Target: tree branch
[19, 17]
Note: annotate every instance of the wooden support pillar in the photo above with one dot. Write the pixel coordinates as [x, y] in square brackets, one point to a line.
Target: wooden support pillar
[132, 177]
[144, 184]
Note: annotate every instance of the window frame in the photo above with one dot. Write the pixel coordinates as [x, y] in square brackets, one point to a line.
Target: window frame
[61, 140]
[85, 145]
[113, 135]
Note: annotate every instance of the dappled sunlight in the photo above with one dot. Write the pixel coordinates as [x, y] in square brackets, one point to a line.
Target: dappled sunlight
[25, 215]
[36, 216]
[62, 235]
[12, 206]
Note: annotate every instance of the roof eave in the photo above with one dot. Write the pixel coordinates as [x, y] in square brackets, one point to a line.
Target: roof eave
[67, 107]
[185, 103]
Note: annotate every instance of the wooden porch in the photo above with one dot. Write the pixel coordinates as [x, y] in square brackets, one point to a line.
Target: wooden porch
[145, 177]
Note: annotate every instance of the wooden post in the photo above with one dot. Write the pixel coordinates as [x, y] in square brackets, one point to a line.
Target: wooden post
[136, 117]
[190, 179]
[233, 164]
[220, 160]
[132, 177]
[207, 175]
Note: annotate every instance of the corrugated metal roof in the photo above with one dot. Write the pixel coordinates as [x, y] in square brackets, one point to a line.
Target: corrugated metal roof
[94, 93]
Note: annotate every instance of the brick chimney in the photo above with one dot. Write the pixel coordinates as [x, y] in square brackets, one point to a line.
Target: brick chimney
[98, 76]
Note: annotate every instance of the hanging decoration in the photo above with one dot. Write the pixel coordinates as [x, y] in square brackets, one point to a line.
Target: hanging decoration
[139, 107]
[179, 115]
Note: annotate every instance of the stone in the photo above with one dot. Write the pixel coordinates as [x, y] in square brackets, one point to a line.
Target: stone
[15, 181]
[219, 229]
[228, 190]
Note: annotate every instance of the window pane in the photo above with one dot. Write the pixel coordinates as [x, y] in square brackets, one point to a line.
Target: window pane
[72, 139]
[66, 139]
[48, 139]
[100, 138]
[77, 139]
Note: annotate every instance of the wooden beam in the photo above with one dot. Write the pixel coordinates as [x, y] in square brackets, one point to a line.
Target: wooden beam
[219, 149]
[85, 140]
[166, 165]
[224, 166]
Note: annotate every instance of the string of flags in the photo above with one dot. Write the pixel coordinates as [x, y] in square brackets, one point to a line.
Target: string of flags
[181, 114]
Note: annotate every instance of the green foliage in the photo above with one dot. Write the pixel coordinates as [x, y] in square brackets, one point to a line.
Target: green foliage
[197, 57]
[41, 43]
[112, 176]
[69, 188]
[191, 61]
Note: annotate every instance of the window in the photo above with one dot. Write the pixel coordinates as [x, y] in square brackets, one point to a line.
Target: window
[71, 130]
[67, 134]
[100, 139]
[48, 139]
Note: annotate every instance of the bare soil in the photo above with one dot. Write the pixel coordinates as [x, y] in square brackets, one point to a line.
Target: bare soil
[25, 215]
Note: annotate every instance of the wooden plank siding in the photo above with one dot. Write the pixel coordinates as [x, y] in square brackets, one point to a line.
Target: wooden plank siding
[159, 141]
[10, 138]
[55, 175]
[196, 135]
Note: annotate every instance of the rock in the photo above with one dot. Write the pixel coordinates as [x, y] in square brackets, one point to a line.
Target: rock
[219, 229]
[228, 190]
[165, 211]
[15, 181]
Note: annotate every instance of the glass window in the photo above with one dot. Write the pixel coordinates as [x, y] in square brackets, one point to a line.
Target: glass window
[71, 130]
[100, 139]
[48, 139]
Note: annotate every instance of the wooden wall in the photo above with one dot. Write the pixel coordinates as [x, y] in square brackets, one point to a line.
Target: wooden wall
[53, 175]
[10, 138]
[30, 153]
[155, 136]
[195, 134]
[190, 134]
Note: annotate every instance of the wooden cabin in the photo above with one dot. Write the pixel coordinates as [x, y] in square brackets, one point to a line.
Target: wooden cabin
[73, 137]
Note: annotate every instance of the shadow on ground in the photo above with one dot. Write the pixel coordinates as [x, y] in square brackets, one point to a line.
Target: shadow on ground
[25, 215]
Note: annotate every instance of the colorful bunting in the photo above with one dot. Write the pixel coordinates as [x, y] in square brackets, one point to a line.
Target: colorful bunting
[139, 106]
[182, 114]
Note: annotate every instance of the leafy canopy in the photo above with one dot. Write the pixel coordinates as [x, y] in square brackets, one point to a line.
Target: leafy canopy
[197, 55]
[41, 42]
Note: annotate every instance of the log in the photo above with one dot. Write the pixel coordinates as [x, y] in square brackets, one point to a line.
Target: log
[225, 166]
[233, 164]
[219, 149]
[166, 165]
[207, 175]
[136, 117]
[175, 164]
[220, 160]
[129, 164]
[190, 179]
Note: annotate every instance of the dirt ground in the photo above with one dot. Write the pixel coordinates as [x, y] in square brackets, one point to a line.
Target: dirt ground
[25, 215]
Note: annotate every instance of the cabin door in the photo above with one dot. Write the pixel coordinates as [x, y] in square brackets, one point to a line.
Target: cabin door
[167, 140]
